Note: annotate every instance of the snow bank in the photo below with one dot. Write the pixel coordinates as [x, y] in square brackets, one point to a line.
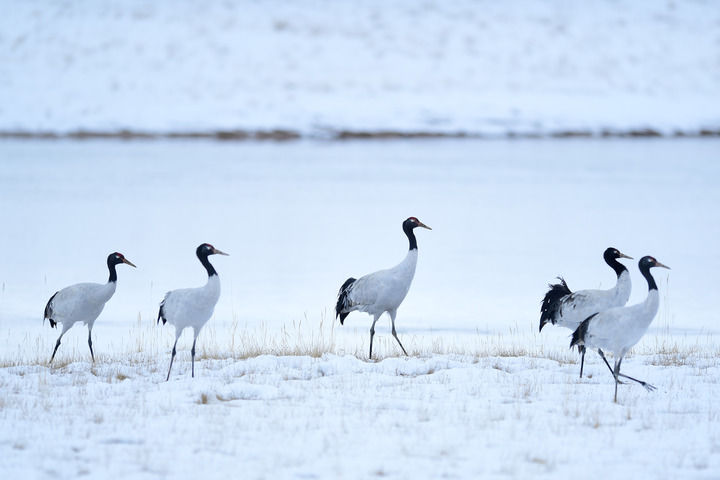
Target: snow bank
[324, 68]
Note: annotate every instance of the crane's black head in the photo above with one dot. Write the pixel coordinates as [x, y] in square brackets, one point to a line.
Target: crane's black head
[613, 253]
[412, 223]
[645, 264]
[611, 256]
[206, 249]
[202, 252]
[408, 226]
[117, 258]
[648, 262]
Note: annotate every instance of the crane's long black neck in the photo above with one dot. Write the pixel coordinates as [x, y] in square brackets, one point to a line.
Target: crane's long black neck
[208, 266]
[645, 270]
[615, 265]
[411, 236]
[113, 273]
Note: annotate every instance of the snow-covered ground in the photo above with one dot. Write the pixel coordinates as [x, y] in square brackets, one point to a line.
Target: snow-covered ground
[482, 67]
[482, 393]
[444, 416]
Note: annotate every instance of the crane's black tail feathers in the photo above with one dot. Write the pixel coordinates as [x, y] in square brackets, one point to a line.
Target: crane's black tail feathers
[552, 302]
[343, 302]
[49, 312]
[578, 336]
[161, 313]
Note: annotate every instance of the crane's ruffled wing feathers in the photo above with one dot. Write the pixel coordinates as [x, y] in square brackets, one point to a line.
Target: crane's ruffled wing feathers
[581, 304]
[563, 307]
[551, 306]
[577, 301]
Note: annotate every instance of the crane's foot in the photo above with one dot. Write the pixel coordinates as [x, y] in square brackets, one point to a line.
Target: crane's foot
[648, 387]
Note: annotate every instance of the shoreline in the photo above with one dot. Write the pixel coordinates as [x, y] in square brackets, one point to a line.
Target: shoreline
[283, 135]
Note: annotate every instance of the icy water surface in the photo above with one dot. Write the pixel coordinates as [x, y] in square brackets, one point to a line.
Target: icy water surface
[298, 218]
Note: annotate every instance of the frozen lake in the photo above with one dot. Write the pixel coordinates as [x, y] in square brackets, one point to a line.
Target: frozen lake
[299, 218]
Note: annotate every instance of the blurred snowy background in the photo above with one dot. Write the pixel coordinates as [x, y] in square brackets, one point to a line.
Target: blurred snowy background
[483, 394]
[332, 67]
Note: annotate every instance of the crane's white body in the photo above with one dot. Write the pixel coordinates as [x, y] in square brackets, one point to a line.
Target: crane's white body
[191, 307]
[618, 329]
[383, 291]
[82, 302]
[578, 306]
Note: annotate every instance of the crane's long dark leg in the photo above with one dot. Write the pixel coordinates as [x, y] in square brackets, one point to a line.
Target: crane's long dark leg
[616, 373]
[602, 355]
[172, 357]
[372, 333]
[192, 353]
[90, 344]
[582, 351]
[57, 344]
[647, 386]
[612, 372]
[392, 319]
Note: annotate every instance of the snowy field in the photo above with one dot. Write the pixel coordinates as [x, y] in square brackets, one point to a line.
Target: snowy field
[281, 389]
[441, 416]
[325, 67]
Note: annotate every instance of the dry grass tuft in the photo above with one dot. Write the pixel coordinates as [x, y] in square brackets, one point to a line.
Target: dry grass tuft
[148, 346]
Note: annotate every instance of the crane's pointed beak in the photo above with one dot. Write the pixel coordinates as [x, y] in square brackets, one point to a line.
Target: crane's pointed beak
[658, 264]
[125, 260]
[420, 224]
[622, 255]
[218, 252]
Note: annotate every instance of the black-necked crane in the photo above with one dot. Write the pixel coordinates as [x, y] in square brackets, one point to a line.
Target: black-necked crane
[82, 302]
[618, 329]
[568, 309]
[382, 291]
[192, 307]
